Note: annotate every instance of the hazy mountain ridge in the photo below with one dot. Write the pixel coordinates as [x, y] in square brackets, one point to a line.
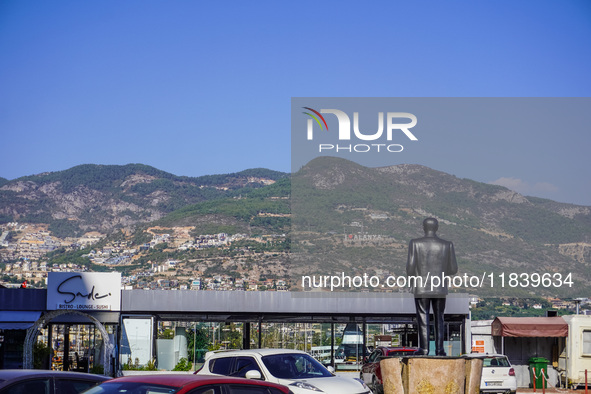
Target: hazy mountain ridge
[493, 228]
[106, 197]
[479, 205]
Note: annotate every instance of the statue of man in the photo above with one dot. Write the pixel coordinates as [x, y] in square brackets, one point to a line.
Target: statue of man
[430, 256]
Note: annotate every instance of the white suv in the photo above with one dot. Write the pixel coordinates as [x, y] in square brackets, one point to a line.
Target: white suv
[302, 373]
[497, 374]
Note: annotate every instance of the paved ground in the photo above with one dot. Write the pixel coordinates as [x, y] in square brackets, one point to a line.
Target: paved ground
[549, 390]
[553, 390]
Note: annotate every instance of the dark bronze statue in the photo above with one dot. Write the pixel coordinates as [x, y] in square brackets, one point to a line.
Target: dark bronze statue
[430, 256]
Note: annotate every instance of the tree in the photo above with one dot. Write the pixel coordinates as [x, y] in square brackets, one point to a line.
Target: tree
[197, 343]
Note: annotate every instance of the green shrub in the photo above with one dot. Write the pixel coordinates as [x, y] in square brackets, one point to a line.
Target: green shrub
[183, 365]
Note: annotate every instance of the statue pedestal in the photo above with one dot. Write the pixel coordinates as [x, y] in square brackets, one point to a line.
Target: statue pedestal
[431, 375]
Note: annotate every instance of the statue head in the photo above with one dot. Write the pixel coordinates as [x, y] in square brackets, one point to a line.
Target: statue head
[430, 225]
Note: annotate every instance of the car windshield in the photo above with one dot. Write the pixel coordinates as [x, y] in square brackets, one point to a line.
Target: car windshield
[400, 353]
[294, 366]
[131, 388]
[495, 362]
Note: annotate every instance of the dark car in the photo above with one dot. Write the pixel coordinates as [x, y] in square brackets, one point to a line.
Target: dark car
[37, 381]
[371, 372]
[186, 383]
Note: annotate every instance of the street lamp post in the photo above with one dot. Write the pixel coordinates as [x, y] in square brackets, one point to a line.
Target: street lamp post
[194, 345]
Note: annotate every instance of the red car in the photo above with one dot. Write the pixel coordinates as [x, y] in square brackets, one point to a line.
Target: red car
[186, 383]
[371, 373]
[39, 381]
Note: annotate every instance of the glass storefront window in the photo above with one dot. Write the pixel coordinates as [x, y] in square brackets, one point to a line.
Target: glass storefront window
[76, 347]
[136, 343]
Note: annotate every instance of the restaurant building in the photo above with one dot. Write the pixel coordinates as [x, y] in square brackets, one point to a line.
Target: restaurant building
[85, 322]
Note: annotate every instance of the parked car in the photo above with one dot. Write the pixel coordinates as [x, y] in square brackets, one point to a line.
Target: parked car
[296, 369]
[186, 383]
[38, 381]
[498, 376]
[371, 373]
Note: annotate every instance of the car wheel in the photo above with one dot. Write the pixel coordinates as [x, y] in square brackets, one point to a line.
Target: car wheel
[376, 387]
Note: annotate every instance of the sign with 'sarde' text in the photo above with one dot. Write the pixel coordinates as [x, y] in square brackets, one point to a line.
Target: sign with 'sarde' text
[84, 291]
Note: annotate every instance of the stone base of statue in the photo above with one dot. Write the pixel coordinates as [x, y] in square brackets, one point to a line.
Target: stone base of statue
[431, 375]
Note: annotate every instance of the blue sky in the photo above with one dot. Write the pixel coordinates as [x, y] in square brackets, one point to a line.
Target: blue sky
[196, 87]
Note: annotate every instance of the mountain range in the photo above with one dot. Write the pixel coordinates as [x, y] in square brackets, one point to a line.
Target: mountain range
[109, 197]
[344, 217]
